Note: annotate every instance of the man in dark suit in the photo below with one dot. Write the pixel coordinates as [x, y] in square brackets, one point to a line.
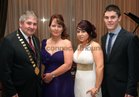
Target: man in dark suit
[20, 60]
[119, 57]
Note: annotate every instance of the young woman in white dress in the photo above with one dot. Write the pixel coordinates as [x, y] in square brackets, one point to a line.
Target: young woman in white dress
[89, 59]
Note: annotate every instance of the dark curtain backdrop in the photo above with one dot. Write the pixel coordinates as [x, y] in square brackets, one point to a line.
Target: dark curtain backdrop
[3, 16]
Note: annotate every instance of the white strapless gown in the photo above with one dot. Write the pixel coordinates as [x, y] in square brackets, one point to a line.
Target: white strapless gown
[85, 79]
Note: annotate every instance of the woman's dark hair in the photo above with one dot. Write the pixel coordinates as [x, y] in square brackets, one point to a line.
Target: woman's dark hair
[60, 21]
[88, 27]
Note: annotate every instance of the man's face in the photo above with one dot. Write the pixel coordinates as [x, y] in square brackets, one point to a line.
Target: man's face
[29, 26]
[111, 20]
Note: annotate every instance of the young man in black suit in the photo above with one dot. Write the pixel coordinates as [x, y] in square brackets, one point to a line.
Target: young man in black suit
[20, 60]
[119, 57]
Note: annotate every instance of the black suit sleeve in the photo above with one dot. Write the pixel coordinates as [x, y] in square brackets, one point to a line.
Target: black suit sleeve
[136, 51]
[6, 63]
[132, 81]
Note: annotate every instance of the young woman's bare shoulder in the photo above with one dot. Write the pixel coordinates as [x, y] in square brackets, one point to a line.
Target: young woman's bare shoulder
[67, 42]
[95, 44]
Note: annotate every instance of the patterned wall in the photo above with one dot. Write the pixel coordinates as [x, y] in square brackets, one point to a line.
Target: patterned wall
[73, 11]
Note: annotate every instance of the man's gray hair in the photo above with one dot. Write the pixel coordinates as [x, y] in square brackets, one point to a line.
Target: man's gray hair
[26, 15]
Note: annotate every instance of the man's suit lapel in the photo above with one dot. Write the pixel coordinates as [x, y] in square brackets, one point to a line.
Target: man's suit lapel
[33, 57]
[37, 49]
[104, 44]
[117, 43]
[24, 39]
[27, 45]
[35, 43]
[30, 49]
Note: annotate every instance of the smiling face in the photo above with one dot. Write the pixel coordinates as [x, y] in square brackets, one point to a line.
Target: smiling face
[111, 20]
[82, 35]
[55, 28]
[29, 26]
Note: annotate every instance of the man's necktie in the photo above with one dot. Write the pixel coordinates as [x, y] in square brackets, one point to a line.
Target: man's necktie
[109, 43]
[30, 43]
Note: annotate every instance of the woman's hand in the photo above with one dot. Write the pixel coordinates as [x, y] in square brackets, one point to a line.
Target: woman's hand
[93, 92]
[47, 77]
[127, 95]
[16, 95]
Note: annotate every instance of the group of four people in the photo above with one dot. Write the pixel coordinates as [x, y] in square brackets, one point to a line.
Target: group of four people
[106, 70]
